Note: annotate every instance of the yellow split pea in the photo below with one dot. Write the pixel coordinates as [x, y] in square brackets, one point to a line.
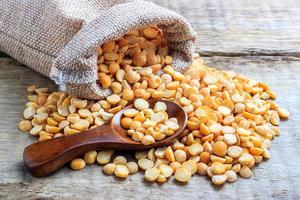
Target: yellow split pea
[231, 118]
[148, 125]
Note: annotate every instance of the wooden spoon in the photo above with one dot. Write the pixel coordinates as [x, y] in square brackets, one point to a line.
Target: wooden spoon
[45, 157]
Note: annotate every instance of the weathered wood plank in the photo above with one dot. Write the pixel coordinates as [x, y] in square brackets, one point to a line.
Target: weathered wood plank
[228, 28]
[277, 178]
[234, 28]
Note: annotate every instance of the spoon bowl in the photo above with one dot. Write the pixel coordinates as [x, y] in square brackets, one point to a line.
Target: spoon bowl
[45, 157]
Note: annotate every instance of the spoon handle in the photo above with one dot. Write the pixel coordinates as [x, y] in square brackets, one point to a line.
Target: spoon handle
[45, 157]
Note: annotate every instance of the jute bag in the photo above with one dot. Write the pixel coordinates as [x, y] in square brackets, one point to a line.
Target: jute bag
[59, 38]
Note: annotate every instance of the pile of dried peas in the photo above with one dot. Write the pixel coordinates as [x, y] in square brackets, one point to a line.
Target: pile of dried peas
[148, 125]
[231, 118]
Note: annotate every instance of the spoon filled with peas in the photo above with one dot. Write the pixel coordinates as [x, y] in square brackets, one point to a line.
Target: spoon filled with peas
[139, 126]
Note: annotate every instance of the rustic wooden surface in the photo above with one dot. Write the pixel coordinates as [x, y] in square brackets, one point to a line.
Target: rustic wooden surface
[257, 38]
[242, 27]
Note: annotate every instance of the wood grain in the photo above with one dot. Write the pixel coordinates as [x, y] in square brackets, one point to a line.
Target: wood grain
[259, 38]
[242, 27]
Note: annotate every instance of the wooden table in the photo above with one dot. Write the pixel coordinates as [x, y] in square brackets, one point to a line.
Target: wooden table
[259, 38]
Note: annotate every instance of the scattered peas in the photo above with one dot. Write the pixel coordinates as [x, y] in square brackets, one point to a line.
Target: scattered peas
[231, 118]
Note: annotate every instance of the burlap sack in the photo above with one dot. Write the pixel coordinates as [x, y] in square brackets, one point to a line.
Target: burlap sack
[58, 38]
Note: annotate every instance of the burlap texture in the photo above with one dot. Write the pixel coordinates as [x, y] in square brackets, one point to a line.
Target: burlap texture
[59, 38]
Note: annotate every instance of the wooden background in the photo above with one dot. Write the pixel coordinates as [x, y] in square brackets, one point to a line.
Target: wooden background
[259, 38]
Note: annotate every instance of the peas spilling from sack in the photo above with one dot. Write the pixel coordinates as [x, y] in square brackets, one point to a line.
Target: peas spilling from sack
[231, 118]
